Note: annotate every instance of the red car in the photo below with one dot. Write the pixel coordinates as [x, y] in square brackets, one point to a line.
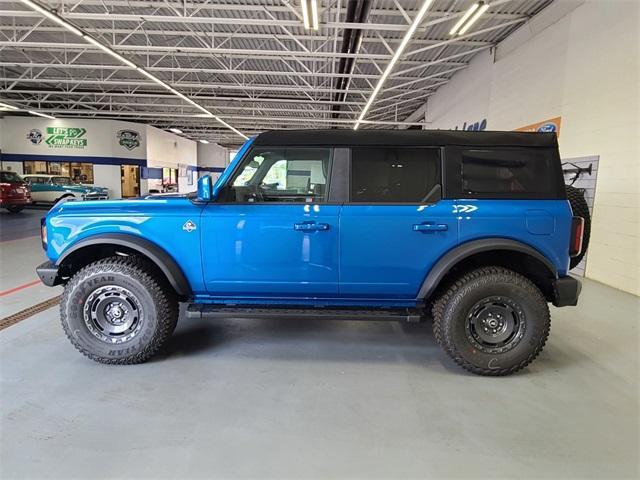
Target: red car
[15, 193]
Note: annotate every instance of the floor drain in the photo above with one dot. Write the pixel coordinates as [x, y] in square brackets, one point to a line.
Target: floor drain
[28, 312]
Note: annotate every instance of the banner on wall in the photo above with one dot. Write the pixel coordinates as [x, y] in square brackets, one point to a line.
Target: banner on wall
[551, 125]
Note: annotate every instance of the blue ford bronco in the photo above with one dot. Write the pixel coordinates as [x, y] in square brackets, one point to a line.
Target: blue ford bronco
[475, 230]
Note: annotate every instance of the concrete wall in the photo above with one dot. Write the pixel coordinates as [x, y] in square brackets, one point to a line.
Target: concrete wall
[578, 61]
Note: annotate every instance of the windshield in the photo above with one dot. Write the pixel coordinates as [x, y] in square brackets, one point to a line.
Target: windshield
[61, 181]
[10, 177]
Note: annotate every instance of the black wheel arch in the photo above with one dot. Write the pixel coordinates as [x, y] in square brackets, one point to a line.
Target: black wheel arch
[104, 245]
[511, 254]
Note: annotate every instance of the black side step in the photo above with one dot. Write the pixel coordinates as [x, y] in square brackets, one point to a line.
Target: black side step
[218, 311]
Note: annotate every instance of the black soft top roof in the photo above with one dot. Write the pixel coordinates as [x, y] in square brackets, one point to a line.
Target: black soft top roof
[404, 138]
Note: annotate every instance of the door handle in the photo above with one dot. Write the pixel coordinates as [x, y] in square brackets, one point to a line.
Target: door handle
[430, 227]
[310, 227]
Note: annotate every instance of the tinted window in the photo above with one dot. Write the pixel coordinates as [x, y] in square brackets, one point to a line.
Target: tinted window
[513, 173]
[281, 175]
[394, 175]
[10, 177]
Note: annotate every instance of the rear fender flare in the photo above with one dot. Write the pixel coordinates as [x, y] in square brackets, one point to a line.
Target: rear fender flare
[458, 254]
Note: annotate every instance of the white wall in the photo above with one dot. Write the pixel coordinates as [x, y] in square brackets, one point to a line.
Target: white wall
[108, 176]
[212, 155]
[164, 149]
[581, 64]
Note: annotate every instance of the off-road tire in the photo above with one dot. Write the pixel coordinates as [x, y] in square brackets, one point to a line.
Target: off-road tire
[157, 301]
[580, 209]
[452, 311]
[15, 208]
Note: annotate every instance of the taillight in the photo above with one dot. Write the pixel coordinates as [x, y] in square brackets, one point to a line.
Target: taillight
[43, 232]
[577, 233]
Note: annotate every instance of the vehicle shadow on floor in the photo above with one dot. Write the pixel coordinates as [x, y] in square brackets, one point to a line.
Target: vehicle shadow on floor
[290, 339]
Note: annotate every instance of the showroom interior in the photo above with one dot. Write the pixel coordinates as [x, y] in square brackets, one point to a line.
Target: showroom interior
[130, 100]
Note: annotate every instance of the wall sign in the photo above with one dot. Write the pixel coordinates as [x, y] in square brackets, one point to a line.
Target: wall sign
[34, 136]
[128, 139]
[474, 127]
[551, 125]
[66, 137]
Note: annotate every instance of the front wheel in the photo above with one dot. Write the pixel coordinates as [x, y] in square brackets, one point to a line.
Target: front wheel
[491, 321]
[117, 311]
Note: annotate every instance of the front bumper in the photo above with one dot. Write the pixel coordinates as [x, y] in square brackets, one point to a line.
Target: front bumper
[566, 291]
[48, 273]
[10, 202]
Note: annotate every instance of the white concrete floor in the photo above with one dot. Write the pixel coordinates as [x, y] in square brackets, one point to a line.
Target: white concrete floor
[319, 399]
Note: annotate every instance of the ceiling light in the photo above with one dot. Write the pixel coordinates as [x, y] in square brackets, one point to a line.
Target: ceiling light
[61, 21]
[52, 16]
[405, 41]
[204, 141]
[464, 18]
[4, 106]
[483, 8]
[106, 49]
[175, 130]
[310, 14]
[41, 115]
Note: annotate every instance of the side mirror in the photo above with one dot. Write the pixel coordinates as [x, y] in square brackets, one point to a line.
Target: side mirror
[204, 189]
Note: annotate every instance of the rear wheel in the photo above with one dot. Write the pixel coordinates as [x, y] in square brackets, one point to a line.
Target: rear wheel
[117, 311]
[580, 209]
[491, 321]
[15, 208]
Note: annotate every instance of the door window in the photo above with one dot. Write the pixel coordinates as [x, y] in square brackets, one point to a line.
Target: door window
[281, 175]
[395, 175]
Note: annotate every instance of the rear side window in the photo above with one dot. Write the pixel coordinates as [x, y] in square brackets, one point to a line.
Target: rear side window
[509, 173]
[10, 177]
[394, 175]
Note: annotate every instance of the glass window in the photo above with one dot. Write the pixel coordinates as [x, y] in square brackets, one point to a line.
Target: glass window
[507, 172]
[394, 174]
[31, 167]
[61, 181]
[10, 177]
[82, 172]
[282, 175]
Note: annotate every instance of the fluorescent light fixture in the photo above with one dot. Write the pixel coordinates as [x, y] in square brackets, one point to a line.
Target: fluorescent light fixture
[483, 8]
[41, 115]
[5, 106]
[310, 19]
[230, 127]
[206, 142]
[52, 16]
[61, 21]
[314, 14]
[111, 52]
[464, 18]
[405, 41]
[175, 130]
[305, 14]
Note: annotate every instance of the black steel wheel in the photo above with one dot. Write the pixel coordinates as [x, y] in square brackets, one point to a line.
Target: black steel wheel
[118, 311]
[491, 321]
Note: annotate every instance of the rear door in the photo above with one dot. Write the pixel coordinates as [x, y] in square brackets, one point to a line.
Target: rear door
[395, 225]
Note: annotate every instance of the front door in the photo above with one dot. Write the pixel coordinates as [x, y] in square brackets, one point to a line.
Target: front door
[395, 226]
[272, 234]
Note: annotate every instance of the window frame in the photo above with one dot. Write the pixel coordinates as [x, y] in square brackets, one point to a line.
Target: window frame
[453, 175]
[440, 151]
[330, 176]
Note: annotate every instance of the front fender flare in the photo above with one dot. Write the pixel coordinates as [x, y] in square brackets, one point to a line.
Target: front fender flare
[156, 254]
[453, 257]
